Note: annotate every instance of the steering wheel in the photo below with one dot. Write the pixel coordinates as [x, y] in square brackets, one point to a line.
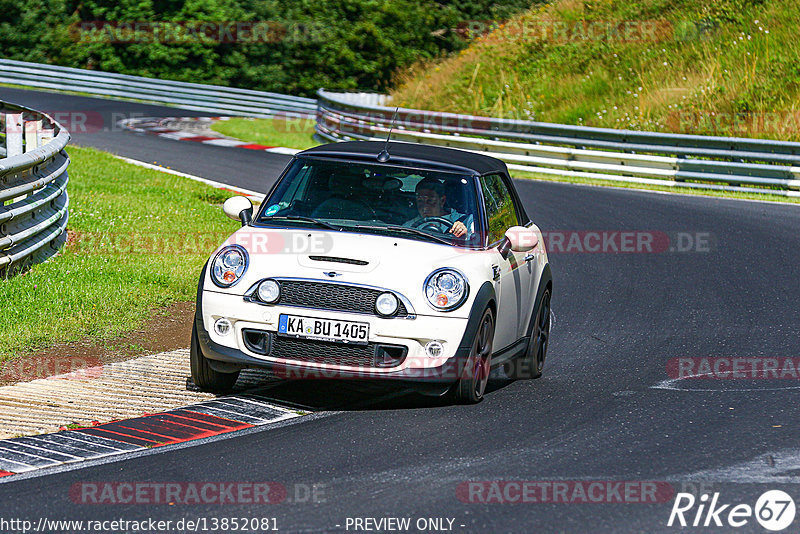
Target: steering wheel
[433, 223]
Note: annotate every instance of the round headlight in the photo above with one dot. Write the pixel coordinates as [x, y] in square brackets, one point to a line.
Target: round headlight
[269, 291]
[446, 289]
[229, 265]
[386, 304]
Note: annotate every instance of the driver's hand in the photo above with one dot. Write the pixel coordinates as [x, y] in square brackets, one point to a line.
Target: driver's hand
[459, 229]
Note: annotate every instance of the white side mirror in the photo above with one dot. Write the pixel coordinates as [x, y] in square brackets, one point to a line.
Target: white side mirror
[239, 209]
[521, 239]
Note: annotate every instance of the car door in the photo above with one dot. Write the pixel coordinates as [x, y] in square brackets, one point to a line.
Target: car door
[512, 273]
[530, 272]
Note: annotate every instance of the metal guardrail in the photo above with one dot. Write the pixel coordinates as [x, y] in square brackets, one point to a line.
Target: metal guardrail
[33, 187]
[693, 161]
[198, 97]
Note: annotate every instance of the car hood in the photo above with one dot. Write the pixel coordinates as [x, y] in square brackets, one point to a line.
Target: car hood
[390, 262]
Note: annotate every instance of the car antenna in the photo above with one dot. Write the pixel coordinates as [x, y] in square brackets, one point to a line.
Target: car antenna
[384, 156]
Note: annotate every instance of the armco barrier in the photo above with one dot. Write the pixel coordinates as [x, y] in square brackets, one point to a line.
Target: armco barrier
[694, 161]
[691, 161]
[198, 97]
[33, 187]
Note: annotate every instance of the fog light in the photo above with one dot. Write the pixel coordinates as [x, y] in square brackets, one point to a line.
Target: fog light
[434, 349]
[222, 326]
[269, 291]
[386, 304]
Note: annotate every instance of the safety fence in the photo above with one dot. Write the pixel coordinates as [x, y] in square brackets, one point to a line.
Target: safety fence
[33, 187]
[689, 161]
[693, 161]
[214, 99]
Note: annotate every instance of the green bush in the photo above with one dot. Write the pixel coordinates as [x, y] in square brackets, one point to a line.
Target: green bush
[336, 44]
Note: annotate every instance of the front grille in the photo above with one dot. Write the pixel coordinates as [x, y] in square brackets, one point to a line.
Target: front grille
[337, 297]
[339, 260]
[323, 352]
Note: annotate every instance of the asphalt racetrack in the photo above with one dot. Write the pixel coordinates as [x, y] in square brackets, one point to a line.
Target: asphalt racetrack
[721, 283]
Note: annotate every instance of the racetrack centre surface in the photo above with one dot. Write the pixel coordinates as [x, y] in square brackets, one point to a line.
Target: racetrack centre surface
[595, 415]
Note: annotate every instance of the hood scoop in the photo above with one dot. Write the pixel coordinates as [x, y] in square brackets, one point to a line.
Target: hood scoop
[334, 259]
[338, 263]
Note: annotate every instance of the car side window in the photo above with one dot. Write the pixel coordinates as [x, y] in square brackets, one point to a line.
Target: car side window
[501, 212]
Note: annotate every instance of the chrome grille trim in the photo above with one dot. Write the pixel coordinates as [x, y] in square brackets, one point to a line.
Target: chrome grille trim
[411, 313]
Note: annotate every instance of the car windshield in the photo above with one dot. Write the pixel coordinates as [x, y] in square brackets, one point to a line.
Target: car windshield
[374, 198]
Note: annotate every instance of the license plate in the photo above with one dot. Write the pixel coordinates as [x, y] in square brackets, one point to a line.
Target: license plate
[323, 329]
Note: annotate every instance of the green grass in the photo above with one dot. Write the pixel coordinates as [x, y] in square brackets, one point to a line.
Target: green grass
[140, 239]
[727, 67]
[648, 187]
[291, 133]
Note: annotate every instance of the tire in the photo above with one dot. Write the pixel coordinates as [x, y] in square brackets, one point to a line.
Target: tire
[531, 365]
[204, 377]
[472, 384]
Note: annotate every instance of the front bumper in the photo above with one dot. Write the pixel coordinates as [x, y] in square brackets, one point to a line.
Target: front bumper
[231, 352]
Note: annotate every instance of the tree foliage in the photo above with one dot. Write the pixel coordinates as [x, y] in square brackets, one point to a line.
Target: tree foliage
[335, 44]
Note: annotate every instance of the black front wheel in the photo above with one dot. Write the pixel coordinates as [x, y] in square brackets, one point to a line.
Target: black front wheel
[204, 377]
[472, 384]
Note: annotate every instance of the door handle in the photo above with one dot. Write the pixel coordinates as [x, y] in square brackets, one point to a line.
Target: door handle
[530, 256]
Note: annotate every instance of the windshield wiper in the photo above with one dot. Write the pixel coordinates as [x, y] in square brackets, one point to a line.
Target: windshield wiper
[414, 231]
[300, 218]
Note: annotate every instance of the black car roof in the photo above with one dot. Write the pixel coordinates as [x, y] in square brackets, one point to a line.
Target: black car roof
[411, 154]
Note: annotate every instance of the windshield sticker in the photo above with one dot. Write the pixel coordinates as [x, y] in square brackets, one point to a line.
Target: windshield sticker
[272, 210]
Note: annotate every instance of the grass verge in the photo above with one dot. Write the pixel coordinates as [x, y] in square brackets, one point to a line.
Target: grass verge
[138, 239]
[727, 67]
[290, 133]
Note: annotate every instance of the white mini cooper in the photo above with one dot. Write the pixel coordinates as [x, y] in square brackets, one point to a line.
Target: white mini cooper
[382, 261]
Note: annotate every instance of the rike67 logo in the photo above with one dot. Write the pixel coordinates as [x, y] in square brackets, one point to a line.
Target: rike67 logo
[774, 510]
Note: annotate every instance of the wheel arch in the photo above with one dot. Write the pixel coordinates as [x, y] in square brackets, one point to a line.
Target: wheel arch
[485, 297]
[545, 283]
[198, 308]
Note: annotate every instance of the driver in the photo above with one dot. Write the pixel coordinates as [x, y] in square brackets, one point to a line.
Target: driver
[430, 199]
